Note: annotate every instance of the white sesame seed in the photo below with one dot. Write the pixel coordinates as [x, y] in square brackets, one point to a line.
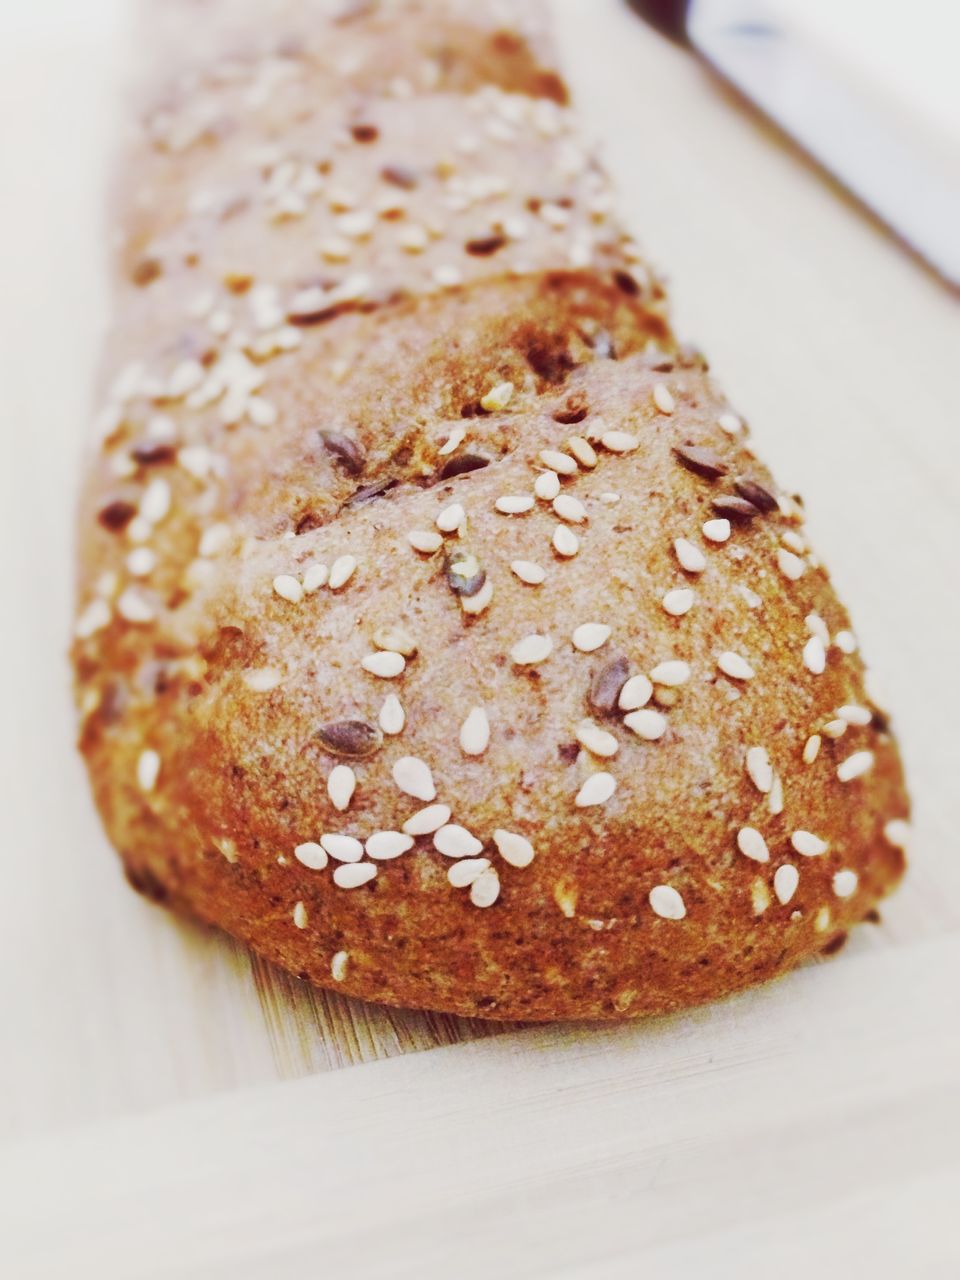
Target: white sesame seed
[775, 798]
[353, 875]
[531, 650]
[485, 890]
[93, 619]
[477, 603]
[730, 423]
[341, 571]
[648, 724]
[392, 716]
[807, 844]
[817, 627]
[561, 463]
[589, 636]
[666, 902]
[690, 557]
[793, 542]
[845, 641]
[671, 674]
[156, 500]
[341, 785]
[262, 679]
[569, 508]
[342, 848]
[528, 571]
[845, 883]
[636, 693]
[132, 607]
[597, 789]
[425, 821]
[662, 398]
[396, 639]
[384, 663]
[514, 504]
[547, 485]
[716, 530]
[734, 666]
[855, 715]
[148, 769]
[288, 588]
[790, 566]
[338, 965]
[497, 398]
[453, 441]
[412, 238]
[513, 848]
[139, 530]
[583, 451]
[759, 769]
[678, 602]
[814, 656]
[314, 577]
[425, 540]
[312, 855]
[141, 562]
[451, 518]
[565, 542]
[414, 778]
[751, 598]
[619, 441]
[855, 766]
[463, 873]
[752, 844]
[835, 728]
[596, 740]
[300, 917]
[475, 732]
[785, 881]
[811, 748]
[897, 832]
[384, 845]
[454, 841]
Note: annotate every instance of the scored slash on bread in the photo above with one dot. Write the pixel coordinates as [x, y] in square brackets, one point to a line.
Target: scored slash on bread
[440, 634]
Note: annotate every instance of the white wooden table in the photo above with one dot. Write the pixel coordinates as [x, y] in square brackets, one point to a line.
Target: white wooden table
[170, 1107]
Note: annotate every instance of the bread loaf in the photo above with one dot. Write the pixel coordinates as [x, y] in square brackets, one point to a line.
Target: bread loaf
[440, 634]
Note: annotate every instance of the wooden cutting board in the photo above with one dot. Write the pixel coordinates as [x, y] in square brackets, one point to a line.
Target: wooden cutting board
[791, 1123]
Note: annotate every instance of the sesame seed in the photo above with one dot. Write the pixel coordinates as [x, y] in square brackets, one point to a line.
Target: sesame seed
[734, 666]
[547, 485]
[384, 845]
[475, 732]
[342, 848]
[353, 875]
[561, 463]
[596, 740]
[93, 619]
[384, 663]
[341, 785]
[477, 603]
[775, 798]
[647, 724]
[132, 607]
[463, 873]
[845, 641]
[262, 679]
[531, 650]
[730, 423]
[817, 627]
[312, 855]
[513, 848]
[583, 451]
[753, 601]
[716, 530]
[785, 881]
[855, 715]
[790, 566]
[300, 917]
[569, 508]
[759, 896]
[636, 693]
[338, 965]
[485, 890]
[811, 748]
[412, 238]
[671, 674]
[897, 832]
[425, 821]
[690, 557]
[619, 441]
[514, 504]
[589, 636]
[425, 540]
[314, 577]
[821, 921]
[156, 500]
[678, 602]
[392, 716]
[141, 561]
[845, 883]
[497, 398]
[341, 571]
[453, 441]
[666, 902]
[148, 769]
[565, 542]
[528, 571]
[451, 518]
[454, 841]
[396, 639]
[288, 588]
[835, 728]
[752, 844]
[662, 398]
[414, 778]
[597, 789]
[814, 656]
[807, 844]
[759, 769]
[855, 766]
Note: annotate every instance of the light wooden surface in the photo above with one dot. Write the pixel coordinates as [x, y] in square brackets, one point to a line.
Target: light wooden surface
[814, 1122]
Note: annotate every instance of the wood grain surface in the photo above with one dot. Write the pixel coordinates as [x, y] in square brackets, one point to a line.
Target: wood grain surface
[811, 1122]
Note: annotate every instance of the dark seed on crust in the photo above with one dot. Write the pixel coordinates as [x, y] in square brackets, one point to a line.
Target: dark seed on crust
[461, 464]
[465, 574]
[761, 498]
[150, 454]
[626, 283]
[400, 176]
[351, 739]
[485, 245]
[364, 132]
[368, 492]
[700, 460]
[574, 411]
[116, 515]
[734, 508]
[606, 685]
[347, 452]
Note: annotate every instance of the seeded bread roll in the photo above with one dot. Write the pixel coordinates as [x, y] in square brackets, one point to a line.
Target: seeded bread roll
[440, 634]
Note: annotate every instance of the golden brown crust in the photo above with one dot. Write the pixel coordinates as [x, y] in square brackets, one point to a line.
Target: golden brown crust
[223, 675]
